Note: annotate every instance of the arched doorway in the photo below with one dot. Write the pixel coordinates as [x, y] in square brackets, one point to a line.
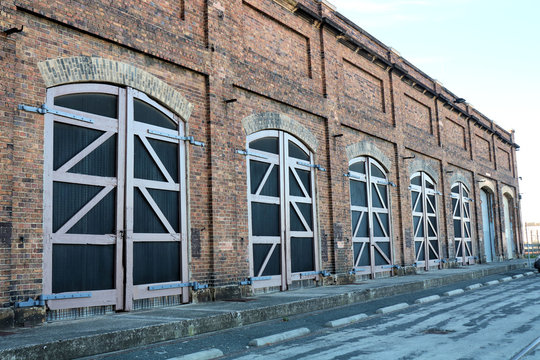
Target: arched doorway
[488, 227]
[115, 219]
[282, 214]
[508, 209]
[370, 214]
[425, 220]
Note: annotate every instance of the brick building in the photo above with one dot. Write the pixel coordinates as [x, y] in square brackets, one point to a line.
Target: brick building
[326, 156]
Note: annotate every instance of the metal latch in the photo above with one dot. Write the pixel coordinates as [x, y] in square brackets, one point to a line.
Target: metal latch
[248, 153]
[191, 139]
[250, 280]
[196, 286]
[43, 109]
[315, 166]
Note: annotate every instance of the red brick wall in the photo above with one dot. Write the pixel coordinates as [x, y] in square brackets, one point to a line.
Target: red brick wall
[270, 60]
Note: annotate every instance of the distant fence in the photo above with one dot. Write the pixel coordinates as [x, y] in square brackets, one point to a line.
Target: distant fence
[531, 249]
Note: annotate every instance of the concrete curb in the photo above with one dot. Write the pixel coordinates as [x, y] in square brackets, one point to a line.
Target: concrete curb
[272, 339]
[474, 286]
[427, 299]
[518, 276]
[454, 292]
[346, 320]
[389, 309]
[201, 355]
[505, 279]
[492, 282]
[124, 339]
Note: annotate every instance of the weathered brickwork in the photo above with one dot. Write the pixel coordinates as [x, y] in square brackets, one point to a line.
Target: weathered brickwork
[230, 69]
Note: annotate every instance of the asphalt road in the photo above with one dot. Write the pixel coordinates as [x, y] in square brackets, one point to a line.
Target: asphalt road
[492, 322]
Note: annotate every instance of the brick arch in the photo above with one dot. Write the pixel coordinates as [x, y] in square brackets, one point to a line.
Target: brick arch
[488, 185]
[417, 165]
[508, 191]
[368, 148]
[86, 69]
[277, 121]
[459, 177]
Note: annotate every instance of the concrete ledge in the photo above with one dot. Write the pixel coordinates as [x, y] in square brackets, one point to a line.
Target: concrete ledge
[346, 320]
[454, 292]
[88, 345]
[474, 286]
[30, 316]
[272, 339]
[201, 355]
[427, 299]
[7, 318]
[389, 309]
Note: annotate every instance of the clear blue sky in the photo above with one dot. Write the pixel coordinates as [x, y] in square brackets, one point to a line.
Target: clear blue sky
[487, 52]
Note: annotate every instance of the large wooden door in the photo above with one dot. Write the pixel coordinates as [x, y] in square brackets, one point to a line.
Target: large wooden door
[461, 210]
[371, 225]
[283, 245]
[425, 220]
[114, 198]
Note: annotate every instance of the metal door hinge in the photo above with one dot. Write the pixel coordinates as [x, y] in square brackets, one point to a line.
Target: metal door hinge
[191, 139]
[386, 182]
[354, 271]
[349, 175]
[195, 285]
[248, 153]
[323, 273]
[42, 298]
[43, 109]
[314, 166]
[250, 280]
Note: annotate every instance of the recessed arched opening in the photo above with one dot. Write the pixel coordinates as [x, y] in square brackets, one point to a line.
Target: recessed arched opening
[509, 226]
[488, 223]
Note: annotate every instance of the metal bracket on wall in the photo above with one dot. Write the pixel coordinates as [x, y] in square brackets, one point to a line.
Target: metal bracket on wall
[195, 285]
[42, 298]
[191, 139]
[249, 281]
[43, 109]
[315, 166]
